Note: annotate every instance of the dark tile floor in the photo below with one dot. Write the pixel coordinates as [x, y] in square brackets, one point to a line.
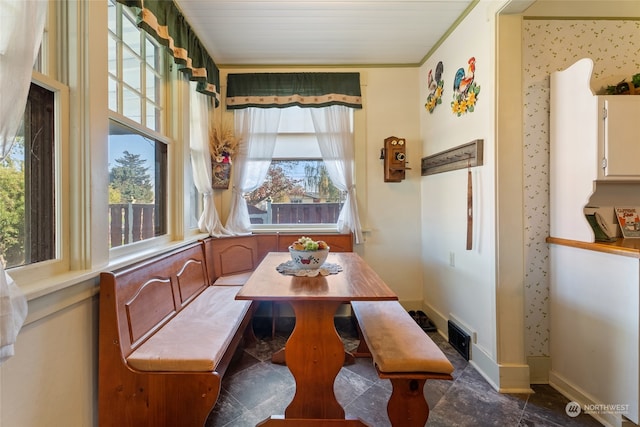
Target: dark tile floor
[254, 389]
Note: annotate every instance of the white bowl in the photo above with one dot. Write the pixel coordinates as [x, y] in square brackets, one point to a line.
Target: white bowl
[309, 260]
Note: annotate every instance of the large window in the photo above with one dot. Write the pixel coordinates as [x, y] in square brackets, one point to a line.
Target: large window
[27, 186]
[137, 145]
[297, 189]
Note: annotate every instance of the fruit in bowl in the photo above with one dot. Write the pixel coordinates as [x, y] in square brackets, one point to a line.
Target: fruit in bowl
[308, 254]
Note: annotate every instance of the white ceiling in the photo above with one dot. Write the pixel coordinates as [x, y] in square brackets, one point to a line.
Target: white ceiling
[320, 32]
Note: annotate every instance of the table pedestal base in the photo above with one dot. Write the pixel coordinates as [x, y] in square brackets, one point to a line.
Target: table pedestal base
[279, 358]
[280, 421]
[314, 354]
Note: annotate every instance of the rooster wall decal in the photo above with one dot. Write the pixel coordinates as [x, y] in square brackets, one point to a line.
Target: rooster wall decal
[435, 86]
[462, 81]
[465, 90]
[433, 83]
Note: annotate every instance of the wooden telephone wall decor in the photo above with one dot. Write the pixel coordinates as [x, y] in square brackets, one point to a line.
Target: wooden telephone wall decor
[394, 156]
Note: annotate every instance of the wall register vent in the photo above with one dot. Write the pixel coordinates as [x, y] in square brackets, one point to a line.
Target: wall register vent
[459, 339]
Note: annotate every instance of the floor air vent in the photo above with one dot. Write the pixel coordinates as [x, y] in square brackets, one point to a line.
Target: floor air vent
[459, 339]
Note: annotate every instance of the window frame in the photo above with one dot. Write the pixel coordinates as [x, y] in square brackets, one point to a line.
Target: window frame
[160, 205]
[162, 63]
[61, 153]
[162, 135]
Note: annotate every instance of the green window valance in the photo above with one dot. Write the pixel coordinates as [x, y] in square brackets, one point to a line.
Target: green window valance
[281, 90]
[164, 22]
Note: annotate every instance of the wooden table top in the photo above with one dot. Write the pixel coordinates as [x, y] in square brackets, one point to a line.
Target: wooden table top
[356, 281]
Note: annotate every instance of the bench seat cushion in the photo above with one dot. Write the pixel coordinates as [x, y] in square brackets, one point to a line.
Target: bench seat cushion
[197, 337]
[396, 342]
[233, 279]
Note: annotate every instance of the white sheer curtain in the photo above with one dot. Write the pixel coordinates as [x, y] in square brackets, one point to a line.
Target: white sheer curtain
[257, 128]
[21, 27]
[335, 137]
[209, 221]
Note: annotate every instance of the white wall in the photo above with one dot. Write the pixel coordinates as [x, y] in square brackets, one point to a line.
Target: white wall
[393, 209]
[467, 289]
[52, 379]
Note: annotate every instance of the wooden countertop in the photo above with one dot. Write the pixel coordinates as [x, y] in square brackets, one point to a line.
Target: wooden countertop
[624, 247]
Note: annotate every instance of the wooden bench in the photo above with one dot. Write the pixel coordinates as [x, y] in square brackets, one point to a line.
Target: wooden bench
[166, 339]
[403, 353]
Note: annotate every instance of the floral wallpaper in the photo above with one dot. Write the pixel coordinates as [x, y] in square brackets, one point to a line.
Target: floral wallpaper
[549, 46]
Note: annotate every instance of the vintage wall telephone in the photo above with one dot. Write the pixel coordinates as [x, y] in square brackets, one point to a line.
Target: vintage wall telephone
[394, 156]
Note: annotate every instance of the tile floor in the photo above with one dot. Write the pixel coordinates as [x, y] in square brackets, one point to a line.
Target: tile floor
[254, 388]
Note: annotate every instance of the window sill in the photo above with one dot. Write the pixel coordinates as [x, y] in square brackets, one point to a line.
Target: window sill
[40, 287]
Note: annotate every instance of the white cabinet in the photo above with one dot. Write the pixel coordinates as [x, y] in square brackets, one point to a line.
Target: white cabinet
[619, 141]
[573, 162]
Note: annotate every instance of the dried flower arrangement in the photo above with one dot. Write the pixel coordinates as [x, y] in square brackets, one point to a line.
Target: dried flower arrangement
[624, 87]
[223, 144]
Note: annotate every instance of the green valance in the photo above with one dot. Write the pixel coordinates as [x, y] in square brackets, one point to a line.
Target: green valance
[281, 90]
[162, 20]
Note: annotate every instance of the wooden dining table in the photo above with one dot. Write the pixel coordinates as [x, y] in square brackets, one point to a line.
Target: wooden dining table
[314, 352]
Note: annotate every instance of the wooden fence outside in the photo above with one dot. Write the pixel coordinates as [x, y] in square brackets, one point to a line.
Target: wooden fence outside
[130, 222]
[298, 213]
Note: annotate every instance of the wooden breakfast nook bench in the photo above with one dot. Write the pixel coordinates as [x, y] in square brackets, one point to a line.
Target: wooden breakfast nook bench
[403, 353]
[166, 339]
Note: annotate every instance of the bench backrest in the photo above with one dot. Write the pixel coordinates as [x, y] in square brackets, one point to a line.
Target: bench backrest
[337, 242]
[145, 296]
[230, 255]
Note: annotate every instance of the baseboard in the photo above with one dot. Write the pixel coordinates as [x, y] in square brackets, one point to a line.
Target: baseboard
[585, 400]
[512, 378]
[515, 378]
[485, 365]
[436, 317]
[539, 367]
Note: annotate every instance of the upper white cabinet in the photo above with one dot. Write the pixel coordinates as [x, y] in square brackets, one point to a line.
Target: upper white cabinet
[619, 131]
[592, 138]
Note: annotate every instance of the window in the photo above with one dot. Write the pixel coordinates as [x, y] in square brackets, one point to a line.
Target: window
[297, 189]
[137, 145]
[135, 70]
[27, 186]
[137, 186]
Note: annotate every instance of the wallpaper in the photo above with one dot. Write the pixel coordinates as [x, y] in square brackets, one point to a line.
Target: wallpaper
[549, 46]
